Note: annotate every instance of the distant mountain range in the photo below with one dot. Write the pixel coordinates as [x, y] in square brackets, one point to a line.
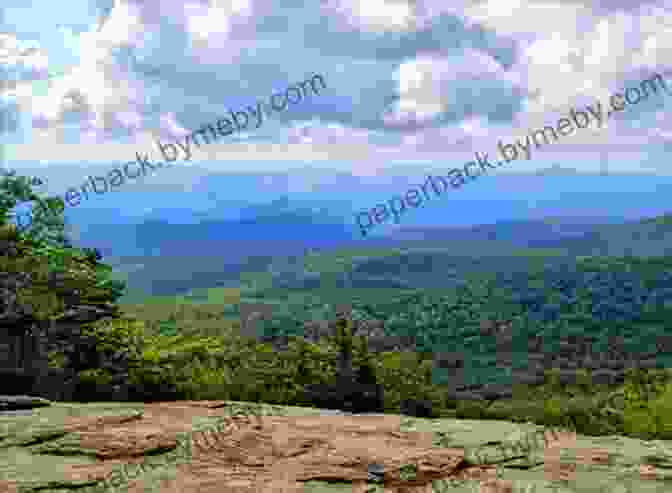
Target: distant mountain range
[193, 194]
[192, 259]
[523, 233]
[214, 227]
[557, 170]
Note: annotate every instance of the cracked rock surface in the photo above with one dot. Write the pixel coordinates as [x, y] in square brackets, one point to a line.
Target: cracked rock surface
[218, 446]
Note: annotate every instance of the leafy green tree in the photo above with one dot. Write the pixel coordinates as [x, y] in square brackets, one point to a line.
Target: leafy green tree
[47, 221]
[58, 270]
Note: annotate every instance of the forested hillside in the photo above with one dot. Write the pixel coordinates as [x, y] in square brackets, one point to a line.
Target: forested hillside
[519, 334]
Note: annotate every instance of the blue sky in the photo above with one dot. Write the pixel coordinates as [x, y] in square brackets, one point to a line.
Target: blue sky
[425, 81]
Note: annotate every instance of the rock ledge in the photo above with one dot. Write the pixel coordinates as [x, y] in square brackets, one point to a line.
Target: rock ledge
[16, 402]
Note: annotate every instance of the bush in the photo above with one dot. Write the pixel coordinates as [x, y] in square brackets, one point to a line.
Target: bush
[418, 408]
[327, 396]
[350, 397]
[649, 419]
[661, 410]
[368, 398]
[471, 410]
[93, 385]
[355, 388]
[154, 384]
[206, 381]
[581, 415]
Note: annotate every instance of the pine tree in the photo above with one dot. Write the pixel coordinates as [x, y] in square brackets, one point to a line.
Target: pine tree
[371, 392]
[353, 390]
[344, 340]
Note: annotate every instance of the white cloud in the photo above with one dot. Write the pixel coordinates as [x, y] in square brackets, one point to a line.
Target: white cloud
[425, 83]
[569, 52]
[89, 89]
[28, 56]
[13, 52]
[374, 15]
[203, 21]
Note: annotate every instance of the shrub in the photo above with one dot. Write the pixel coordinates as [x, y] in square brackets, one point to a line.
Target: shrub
[154, 383]
[354, 389]
[347, 396]
[206, 381]
[407, 376]
[418, 408]
[648, 419]
[661, 410]
[93, 385]
[471, 410]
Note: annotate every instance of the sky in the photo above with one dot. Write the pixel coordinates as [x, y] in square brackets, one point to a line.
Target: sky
[424, 81]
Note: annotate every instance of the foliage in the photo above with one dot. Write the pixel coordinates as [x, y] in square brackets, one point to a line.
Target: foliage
[471, 410]
[241, 369]
[114, 334]
[58, 273]
[195, 351]
[56, 359]
[353, 389]
[96, 376]
[546, 295]
[47, 223]
[647, 401]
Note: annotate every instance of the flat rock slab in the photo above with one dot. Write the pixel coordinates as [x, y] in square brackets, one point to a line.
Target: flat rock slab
[227, 447]
[15, 402]
[19, 412]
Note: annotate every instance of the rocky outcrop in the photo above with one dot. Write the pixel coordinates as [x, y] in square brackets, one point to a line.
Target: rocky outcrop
[21, 354]
[26, 344]
[218, 446]
[17, 402]
[27, 338]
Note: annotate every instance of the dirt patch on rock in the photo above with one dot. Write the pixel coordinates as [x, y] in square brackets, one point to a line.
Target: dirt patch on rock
[256, 453]
[200, 447]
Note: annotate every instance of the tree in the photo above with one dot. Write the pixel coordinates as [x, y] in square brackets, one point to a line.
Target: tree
[47, 221]
[353, 391]
[366, 372]
[358, 389]
[47, 240]
[370, 398]
[344, 340]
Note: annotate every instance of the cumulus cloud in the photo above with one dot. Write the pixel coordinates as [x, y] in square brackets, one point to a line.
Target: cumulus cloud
[380, 15]
[404, 78]
[427, 84]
